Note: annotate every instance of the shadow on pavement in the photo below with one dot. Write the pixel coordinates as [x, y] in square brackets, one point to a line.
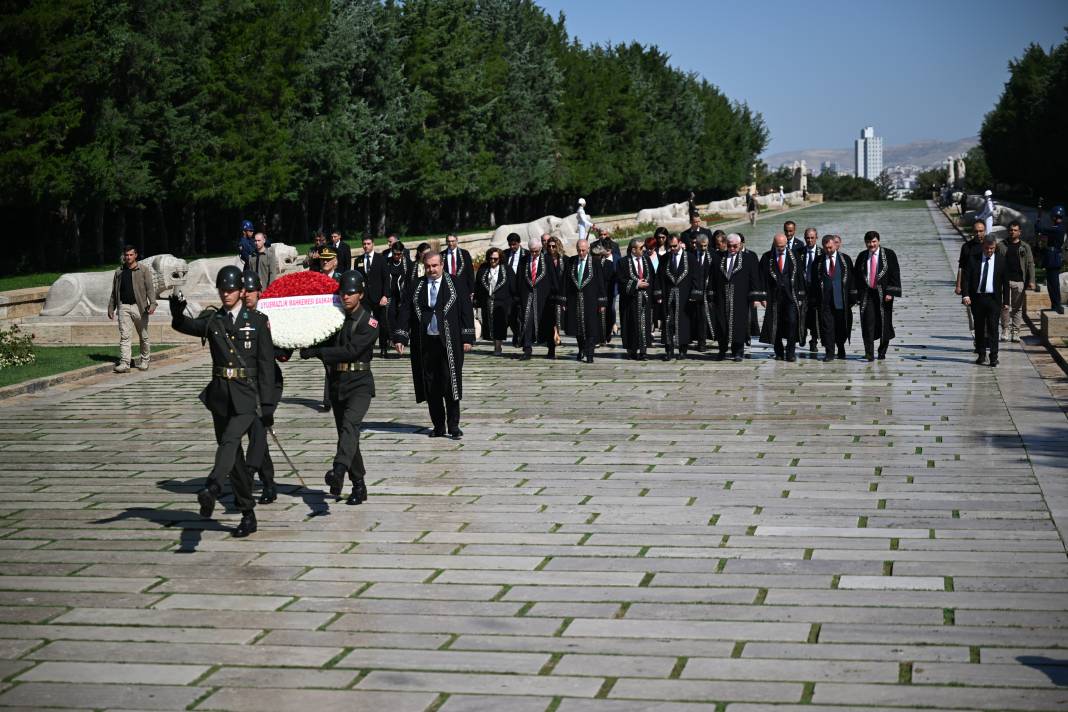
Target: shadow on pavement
[1055, 669]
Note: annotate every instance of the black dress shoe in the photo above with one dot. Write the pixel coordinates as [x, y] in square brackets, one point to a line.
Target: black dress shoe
[736, 358]
[551, 356]
[580, 356]
[791, 357]
[869, 357]
[269, 494]
[247, 525]
[642, 357]
[206, 497]
[589, 359]
[435, 433]
[666, 357]
[456, 434]
[980, 360]
[812, 347]
[828, 357]
[525, 357]
[882, 355]
[993, 361]
[324, 407]
[335, 483]
[632, 355]
[841, 354]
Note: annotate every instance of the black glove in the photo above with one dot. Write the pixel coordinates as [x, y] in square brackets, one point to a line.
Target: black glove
[177, 304]
[283, 355]
[267, 419]
[310, 352]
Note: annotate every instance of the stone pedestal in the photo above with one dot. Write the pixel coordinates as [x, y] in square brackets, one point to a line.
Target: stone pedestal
[1054, 328]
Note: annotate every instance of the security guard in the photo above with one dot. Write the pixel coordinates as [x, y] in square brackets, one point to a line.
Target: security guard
[242, 378]
[351, 385]
[259, 455]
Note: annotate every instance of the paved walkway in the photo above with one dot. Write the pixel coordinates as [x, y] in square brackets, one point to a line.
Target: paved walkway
[741, 537]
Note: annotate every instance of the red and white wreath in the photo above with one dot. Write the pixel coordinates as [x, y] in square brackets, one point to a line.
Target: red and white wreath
[304, 309]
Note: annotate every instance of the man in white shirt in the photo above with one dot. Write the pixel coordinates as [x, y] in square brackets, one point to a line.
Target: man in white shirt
[987, 295]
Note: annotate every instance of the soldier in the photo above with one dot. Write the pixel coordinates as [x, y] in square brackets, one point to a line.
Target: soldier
[351, 385]
[259, 456]
[242, 378]
[443, 330]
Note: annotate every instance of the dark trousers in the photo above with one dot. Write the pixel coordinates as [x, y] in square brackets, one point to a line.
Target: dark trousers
[259, 452]
[986, 312]
[230, 458]
[326, 385]
[811, 323]
[586, 344]
[348, 417]
[871, 323]
[786, 334]
[444, 409]
[834, 329]
[381, 314]
[1053, 286]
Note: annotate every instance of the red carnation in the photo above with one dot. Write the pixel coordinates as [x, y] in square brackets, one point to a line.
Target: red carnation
[297, 284]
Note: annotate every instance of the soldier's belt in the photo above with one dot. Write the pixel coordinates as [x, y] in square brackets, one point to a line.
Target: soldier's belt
[357, 366]
[231, 373]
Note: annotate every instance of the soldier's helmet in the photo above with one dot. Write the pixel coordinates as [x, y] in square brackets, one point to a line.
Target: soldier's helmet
[229, 278]
[352, 282]
[251, 281]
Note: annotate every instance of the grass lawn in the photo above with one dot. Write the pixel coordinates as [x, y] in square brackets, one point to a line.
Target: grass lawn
[58, 359]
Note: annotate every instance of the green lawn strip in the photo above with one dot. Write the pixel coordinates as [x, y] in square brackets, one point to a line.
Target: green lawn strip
[60, 359]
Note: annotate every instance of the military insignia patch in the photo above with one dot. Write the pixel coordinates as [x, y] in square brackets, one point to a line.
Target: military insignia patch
[373, 322]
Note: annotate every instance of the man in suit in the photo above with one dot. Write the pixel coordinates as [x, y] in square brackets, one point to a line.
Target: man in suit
[834, 292]
[373, 268]
[690, 235]
[242, 357]
[537, 290]
[458, 265]
[809, 323]
[444, 327]
[341, 249]
[793, 242]
[584, 289]
[878, 281]
[737, 285]
[986, 283]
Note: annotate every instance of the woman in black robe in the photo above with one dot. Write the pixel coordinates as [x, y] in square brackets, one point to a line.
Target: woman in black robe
[494, 293]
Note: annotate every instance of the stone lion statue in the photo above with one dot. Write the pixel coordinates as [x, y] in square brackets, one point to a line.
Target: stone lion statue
[87, 293]
[673, 212]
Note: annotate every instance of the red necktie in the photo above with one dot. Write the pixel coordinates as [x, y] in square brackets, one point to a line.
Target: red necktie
[834, 261]
[641, 272]
[872, 269]
[533, 270]
[782, 258]
[452, 263]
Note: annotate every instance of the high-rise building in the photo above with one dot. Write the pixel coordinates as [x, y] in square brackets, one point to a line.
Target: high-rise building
[829, 168]
[868, 154]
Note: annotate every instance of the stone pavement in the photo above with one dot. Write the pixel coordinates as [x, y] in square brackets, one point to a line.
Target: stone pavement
[742, 537]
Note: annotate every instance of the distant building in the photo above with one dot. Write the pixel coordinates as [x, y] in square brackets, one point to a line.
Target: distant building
[868, 154]
[829, 168]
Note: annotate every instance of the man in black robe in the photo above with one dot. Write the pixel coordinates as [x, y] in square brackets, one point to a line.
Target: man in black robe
[603, 256]
[536, 290]
[445, 331]
[673, 286]
[494, 294]
[458, 264]
[809, 324]
[586, 300]
[878, 281]
[784, 283]
[635, 275]
[835, 292]
[738, 286]
[510, 259]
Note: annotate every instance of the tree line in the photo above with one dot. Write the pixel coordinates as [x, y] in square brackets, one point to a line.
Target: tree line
[163, 124]
[1023, 137]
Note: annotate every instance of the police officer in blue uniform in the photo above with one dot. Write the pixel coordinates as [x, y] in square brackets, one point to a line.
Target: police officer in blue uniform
[242, 358]
[1054, 255]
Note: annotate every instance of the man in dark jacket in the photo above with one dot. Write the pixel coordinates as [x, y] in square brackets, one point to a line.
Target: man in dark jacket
[878, 281]
[444, 328]
[242, 358]
[986, 293]
[834, 291]
[351, 385]
[584, 286]
[536, 291]
[674, 283]
[458, 265]
[784, 284]
[373, 268]
[341, 249]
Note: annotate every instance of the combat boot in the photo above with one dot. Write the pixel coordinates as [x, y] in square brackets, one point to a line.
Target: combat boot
[359, 492]
[247, 525]
[206, 498]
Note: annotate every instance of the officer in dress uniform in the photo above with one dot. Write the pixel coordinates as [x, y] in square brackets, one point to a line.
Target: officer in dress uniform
[259, 455]
[351, 384]
[242, 358]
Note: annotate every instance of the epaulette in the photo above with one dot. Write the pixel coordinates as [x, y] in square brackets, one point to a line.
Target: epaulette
[207, 311]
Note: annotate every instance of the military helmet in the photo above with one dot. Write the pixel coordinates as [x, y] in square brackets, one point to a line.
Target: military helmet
[351, 282]
[229, 278]
[1057, 212]
[247, 225]
[251, 281]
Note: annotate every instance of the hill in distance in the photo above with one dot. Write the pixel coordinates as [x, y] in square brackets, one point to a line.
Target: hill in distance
[925, 154]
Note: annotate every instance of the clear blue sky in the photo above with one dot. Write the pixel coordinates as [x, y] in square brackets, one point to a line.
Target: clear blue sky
[820, 70]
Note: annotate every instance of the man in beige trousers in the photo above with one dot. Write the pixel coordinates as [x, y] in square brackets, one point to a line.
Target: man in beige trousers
[133, 298]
